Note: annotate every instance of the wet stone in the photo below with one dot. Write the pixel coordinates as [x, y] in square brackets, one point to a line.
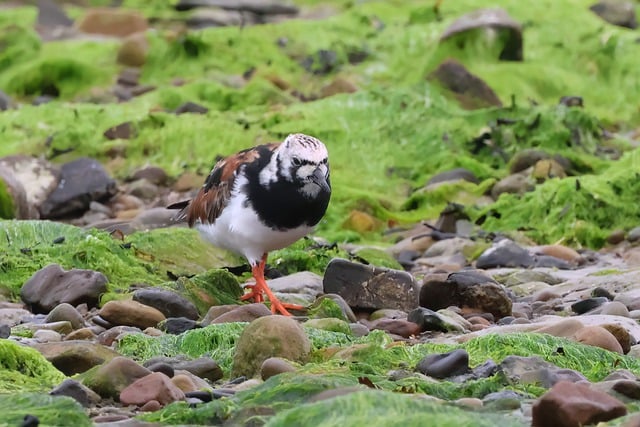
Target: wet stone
[202, 367]
[178, 325]
[505, 253]
[427, 320]
[72, 388]
[445, 365]
[587, 304]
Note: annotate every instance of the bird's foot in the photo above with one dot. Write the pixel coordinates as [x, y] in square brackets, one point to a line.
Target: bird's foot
[256, 294]
[281, 307]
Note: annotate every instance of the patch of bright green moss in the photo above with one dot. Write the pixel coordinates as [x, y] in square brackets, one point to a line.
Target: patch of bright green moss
[304, 255]
[378, 258]
[388, 409]
[24, 369]
[579, 211]
[324, 308]
[18, 44]
[7, 209]
[51, 411]
[28, 246]
[214, 287]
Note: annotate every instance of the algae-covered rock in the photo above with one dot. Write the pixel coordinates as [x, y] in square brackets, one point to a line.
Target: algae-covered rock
[329, 324]
[214, 287]
[388, 409]
[269, 336]
[49, 410]
[25, 369]
[28, 246]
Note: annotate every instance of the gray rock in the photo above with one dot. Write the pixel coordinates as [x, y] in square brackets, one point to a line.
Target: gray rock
[534, 370]
[260, 7]
[490, 21]
[453, 175]
[617, 12]
[505, 253]
[369, 287]
[167, 302]
[513, 184]
[81, 181]
[5, 101]
[66, 312]
[202, 367]
[13, 316]
[634, 234]
[72, 388]
[297, 288]
[52, 286]
[177, 325]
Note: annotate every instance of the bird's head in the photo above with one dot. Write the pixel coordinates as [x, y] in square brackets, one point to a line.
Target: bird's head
[304, 160]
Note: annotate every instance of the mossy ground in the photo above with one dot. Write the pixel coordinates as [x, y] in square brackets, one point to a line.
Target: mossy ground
[404, 128]
[23, 369]
[51, 411]
[341, 360]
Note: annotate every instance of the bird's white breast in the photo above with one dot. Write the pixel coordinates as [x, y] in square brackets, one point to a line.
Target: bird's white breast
[239, 229]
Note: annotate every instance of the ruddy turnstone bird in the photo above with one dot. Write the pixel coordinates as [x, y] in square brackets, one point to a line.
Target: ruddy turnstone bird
[262, 199]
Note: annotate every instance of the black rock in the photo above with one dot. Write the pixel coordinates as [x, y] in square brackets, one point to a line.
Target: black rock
[204, 396]
[167, 302]
[445, 365]
[191, 107]
[322, 62]
[587, 304]
[165, 368]
[458, 174]
[178, 325]
[30, 421]
[486, 370]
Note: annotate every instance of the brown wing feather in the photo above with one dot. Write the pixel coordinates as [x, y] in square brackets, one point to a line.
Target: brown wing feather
[216, 191]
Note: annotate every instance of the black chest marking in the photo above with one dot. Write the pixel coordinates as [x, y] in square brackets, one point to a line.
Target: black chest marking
[282, 206]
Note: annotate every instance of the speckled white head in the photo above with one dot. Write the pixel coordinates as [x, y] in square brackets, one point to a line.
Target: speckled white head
[300, 158]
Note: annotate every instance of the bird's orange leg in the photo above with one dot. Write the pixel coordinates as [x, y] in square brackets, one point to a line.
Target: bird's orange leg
[261, 287]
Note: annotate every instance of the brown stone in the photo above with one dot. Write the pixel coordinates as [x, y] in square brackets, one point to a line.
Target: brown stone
[131, 313]
[400, 327]
[112, 22]
[156, 386]
[562, 252]
[598, 336]
[337, 86]
[570, 404]
[470, 90]
[621, 335]
[133, 50]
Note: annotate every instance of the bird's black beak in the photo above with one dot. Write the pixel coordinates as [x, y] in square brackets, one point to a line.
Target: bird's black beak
[321, 178]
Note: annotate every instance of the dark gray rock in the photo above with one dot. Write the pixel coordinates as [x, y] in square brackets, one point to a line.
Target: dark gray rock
[547, 261]
[470, 289]
[81, 182]
[370, 287]
[5, 101]
[67, 312]
[505, 253]
[168, 302]
[191, 107]
[427, 320]
[72, 388]
[534, 370]
[617, 12]
[178, 325]
[587, 304]
[444, 365]
[5, 331]
[165, 368]
[50, 14]
[259, 7]
[203, 367]
[52, 285]
[458, 174]
[486, 370]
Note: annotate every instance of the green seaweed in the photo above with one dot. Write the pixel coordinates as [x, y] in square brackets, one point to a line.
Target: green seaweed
[7, 208]
[51, 411]
[326, 307]
[24, 369]
[389, 409]
[28, 246]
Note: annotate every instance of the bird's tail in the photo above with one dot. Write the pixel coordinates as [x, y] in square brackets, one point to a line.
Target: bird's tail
[181, 216]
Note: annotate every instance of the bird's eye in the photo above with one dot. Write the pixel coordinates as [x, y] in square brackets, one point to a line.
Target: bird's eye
[296, 161]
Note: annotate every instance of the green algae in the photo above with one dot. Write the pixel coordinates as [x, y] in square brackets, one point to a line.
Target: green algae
[17, 43]
[324, 308]
[377, 257]
[7, 208]
[214, 287]
[304, 255]
[388, 409]
[23, 369]
[51, 411]
[148, 257]
[580, 211]
[216, 341]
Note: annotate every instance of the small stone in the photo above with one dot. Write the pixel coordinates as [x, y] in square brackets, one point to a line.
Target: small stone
[616, 236]
[131, 313]
[202, 367]
[513, 184]
[184, 383]
[621, 334]
[121, 131]
[151, 406]
[242, 313]
[562, 252]
[72, 388]
[168, 302]
[337, 86]
[269, 336]
[445, 365]
[598, 336]
[165, 368]
[362, 222]
[44, 335]
[634, 234]
[112, 22]
[505, 253]
[114, 376]
[371, 287]
[178, 325]
[427, 320]
[398, 327]
[66, 312]
[52, 285]
[570, 404]
[616, 12]
[155, 386]
[191, 107]
[468, 89]
[587, 304]
[73, 357]
[274, 366]
[134, 50]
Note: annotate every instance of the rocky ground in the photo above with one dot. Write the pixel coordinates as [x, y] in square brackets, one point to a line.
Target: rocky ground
[479, 263]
